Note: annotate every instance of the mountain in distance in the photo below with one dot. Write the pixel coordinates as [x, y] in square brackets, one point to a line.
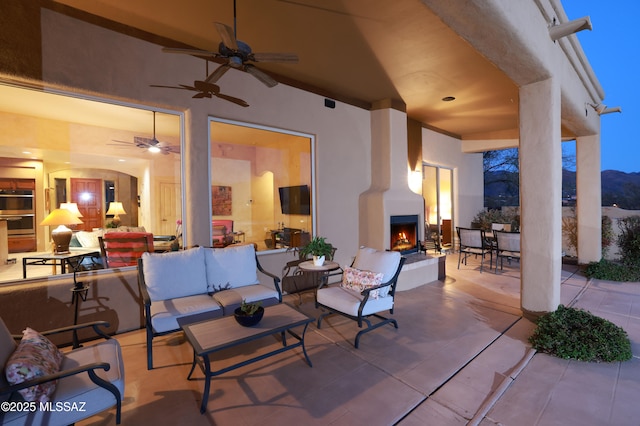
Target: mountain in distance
[619, 188]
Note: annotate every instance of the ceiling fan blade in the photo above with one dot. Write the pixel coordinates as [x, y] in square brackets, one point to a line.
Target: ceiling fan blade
[144, 142]
[260, 75]
[196, 52]
[217, 73]
[201, 95]
[181, 87]
[236, 101]
[227, 35]
[275, 57]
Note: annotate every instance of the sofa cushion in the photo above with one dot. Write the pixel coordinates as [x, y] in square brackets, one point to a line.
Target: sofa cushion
[165, 313]
[369, 259]
[175, 274]
[348, 301]
[235, 265]
[89, 239]
[35, 356]
[358, 280]
[253, 293]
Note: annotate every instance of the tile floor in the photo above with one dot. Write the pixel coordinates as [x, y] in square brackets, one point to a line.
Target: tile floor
[460, 356]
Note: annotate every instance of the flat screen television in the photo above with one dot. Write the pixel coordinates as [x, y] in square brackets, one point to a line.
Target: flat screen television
[295, 200]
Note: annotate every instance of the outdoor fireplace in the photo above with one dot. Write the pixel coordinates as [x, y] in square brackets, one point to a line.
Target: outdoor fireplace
[404, 233]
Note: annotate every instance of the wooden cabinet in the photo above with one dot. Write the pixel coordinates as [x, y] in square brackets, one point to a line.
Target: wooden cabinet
[7, 183]
[21, 244]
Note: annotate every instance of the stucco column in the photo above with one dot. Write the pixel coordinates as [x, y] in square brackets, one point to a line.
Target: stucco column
[197, 211]
[589, 199]
[540, 196]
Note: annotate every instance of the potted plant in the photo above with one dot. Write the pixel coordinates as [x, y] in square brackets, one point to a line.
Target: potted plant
[249, 313]
[319, 249]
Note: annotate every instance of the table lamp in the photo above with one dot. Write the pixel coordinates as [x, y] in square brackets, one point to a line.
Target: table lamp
[116, 209]
[61, 235]
[72, 207]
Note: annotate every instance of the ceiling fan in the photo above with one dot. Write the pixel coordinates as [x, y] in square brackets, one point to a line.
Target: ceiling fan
[206, 89]
[237, 54]
[152, 145]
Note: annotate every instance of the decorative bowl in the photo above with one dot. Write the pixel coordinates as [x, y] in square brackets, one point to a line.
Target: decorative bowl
[248, 320]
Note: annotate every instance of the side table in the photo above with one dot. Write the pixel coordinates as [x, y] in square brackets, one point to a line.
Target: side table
[321, 272]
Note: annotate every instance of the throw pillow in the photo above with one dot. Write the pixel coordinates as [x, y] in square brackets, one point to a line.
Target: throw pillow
[359, 280]
[35, 356]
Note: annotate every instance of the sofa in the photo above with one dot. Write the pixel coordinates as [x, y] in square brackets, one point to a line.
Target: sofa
[200, 283]
[89, 239]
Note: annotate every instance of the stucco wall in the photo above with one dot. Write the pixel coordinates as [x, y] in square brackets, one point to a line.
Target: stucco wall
[83, 56]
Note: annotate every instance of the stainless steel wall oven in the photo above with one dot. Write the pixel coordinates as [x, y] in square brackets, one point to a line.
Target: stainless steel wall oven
[17, 207]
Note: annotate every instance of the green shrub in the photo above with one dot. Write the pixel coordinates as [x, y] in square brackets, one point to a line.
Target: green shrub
[629, 239]
[577, 334]
[484, 218]
[613, 271]
[607, 234]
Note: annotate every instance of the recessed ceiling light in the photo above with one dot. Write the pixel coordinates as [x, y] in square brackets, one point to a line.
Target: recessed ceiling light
[448, 99]
[121, 160]
[26, 152]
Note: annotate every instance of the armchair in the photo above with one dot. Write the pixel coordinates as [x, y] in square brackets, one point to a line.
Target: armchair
[120, 249]
[368, 288]
[90, 378]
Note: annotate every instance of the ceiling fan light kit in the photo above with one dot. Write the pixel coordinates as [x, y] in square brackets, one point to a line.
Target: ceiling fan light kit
[152, 145]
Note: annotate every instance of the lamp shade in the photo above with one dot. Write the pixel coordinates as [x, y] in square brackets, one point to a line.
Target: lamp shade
[115, 208]
[60, 217]
[61, 235]
[72, 207]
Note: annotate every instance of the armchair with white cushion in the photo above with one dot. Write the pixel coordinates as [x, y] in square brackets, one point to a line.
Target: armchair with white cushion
[76, 384]
[367, 289]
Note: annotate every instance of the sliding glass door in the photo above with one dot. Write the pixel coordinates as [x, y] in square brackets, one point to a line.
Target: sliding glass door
[437, 190]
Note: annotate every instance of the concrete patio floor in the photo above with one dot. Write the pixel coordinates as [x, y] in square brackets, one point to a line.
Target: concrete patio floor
[460, 356]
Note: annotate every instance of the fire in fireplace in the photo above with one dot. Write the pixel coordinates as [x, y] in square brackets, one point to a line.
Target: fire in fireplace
[404, 233]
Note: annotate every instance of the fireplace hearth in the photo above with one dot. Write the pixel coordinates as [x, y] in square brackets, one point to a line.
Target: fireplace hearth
[404, 233]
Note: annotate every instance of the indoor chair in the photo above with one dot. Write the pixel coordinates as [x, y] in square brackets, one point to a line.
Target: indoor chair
[222, 233]
[120, 249]
[89, 378]
[474, 242]
[367, 289]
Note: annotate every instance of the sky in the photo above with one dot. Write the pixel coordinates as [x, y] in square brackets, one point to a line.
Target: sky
[613, 50]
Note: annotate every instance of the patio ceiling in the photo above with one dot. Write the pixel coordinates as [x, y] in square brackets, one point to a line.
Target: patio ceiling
[356, 51]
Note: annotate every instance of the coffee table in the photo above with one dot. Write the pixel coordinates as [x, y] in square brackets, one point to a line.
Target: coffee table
[210, 336]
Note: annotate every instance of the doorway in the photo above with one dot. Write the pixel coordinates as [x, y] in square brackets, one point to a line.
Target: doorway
[87, 193]
[437, 190]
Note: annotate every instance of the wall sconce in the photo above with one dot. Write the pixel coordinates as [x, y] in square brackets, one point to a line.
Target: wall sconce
[602, 108]
[568, 28]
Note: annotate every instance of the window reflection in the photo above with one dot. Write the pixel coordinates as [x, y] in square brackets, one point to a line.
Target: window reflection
[261, 180]
[91, 153]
